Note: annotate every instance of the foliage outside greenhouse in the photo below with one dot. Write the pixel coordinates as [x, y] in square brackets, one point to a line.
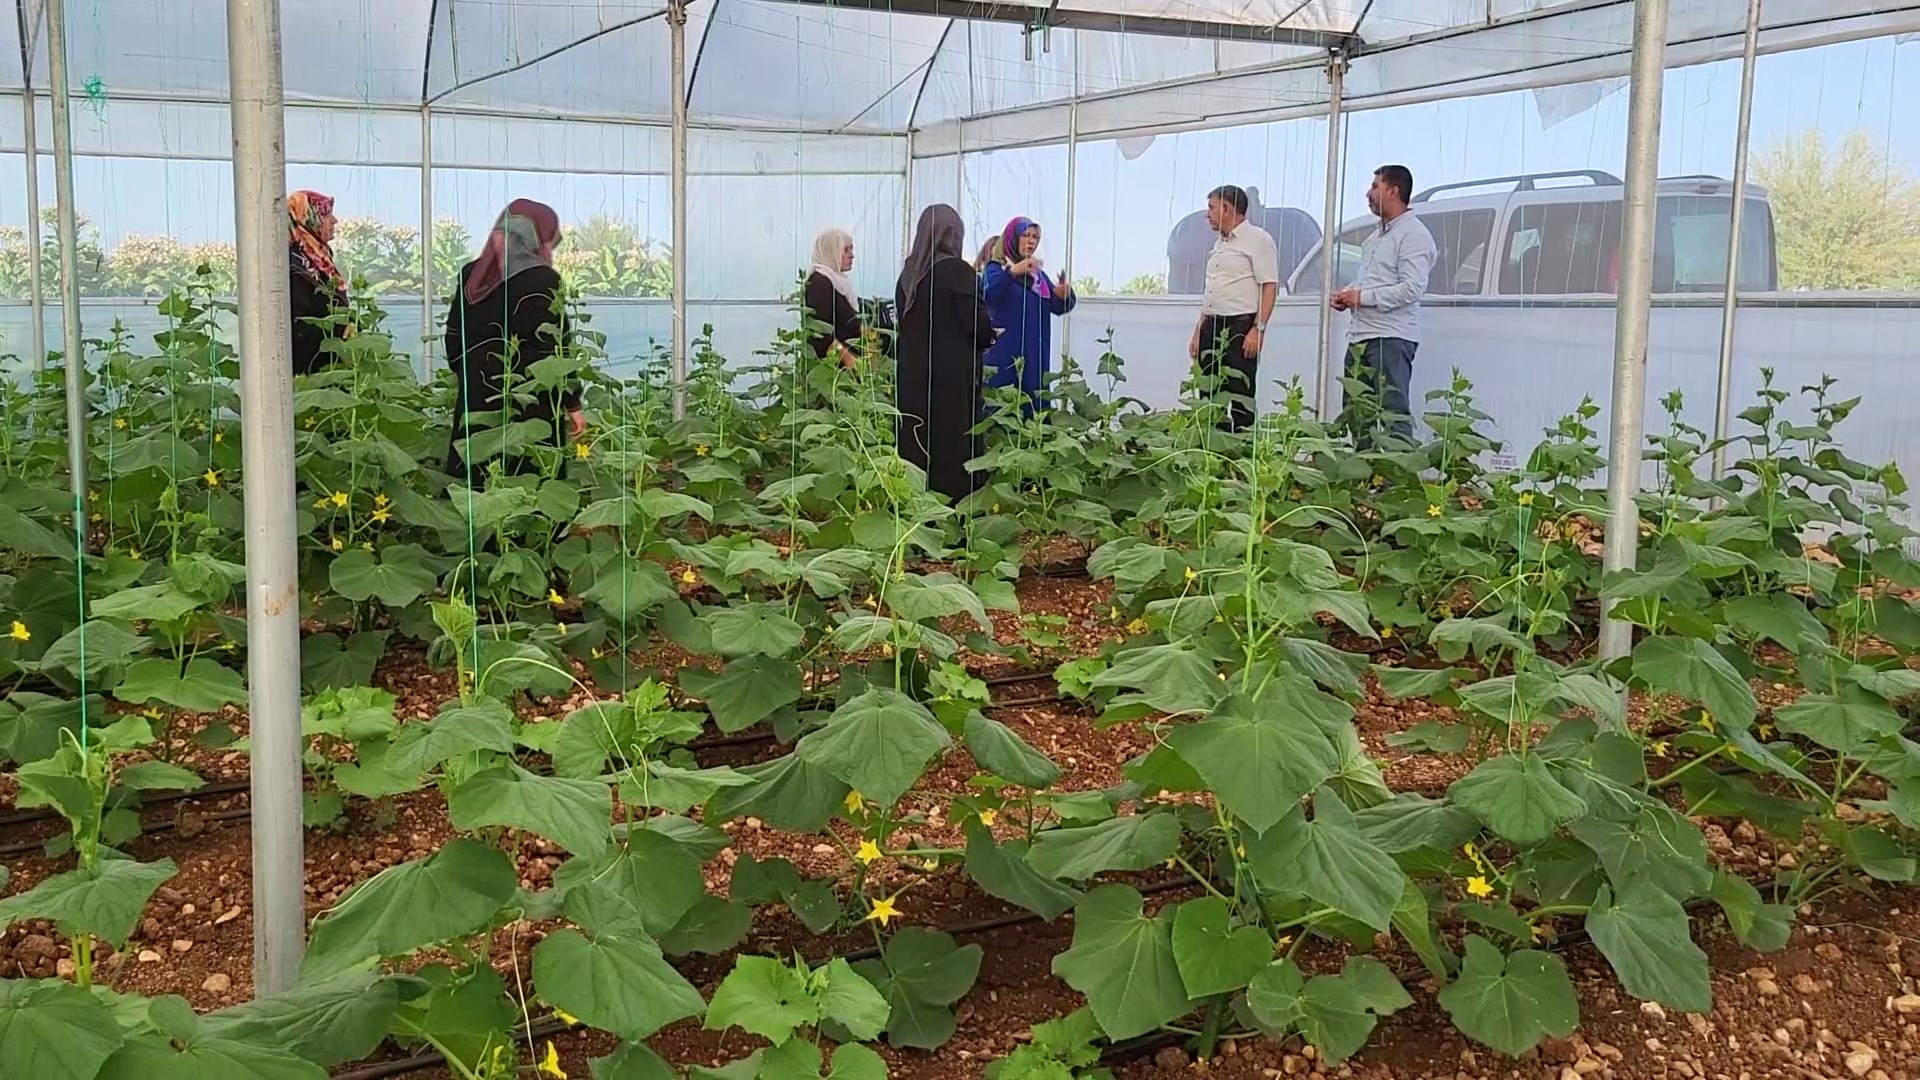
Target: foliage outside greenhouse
[1251, 876]
[602, 257]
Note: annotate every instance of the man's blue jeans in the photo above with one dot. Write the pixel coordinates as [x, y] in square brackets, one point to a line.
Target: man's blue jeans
[1386, 365]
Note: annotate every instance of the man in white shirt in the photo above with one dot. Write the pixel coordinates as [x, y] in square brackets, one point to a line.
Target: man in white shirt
[1384, 298]
[1243, 276]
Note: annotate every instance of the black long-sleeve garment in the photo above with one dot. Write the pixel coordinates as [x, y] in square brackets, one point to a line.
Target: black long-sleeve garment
[827, 305]
[477, 337]
[308, 301]
[942, 336]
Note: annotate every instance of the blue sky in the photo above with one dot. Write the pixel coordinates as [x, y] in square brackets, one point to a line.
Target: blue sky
[749, 235]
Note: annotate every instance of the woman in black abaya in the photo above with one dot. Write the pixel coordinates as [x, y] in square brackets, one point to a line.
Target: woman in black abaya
[943, 331]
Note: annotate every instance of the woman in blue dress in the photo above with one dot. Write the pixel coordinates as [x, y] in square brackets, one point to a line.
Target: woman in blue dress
[1022, 302]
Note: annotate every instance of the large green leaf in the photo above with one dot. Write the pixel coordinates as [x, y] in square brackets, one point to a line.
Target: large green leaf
[1411, 821]
[1328, 859]
[921, 973]
[1517, 797]
[1849, 725]
[1658, 849]
[789, 793]
[460, 729]
[20, 533]
[1132, 842]
[622, 985]
[1779, 616]
[1336, 1013]
[1214, 956]
[652, 873]
[1694, 670]
[850, 1002]
[1170, 678]
[632, 1061]
[327, 663]
[203, 686]
[104, 900]
[764, 997]
[1511, 1002]
[878, 744]
[1645, 937]
[920, 598]
[183, 1047]
[1259, 759]
[746, 692]
[711, 926]
[95, 648]
[1123, 961]
[631, 588]
[1759, 925]
[453, 892]
[997, 749]
[753, 629]
[340, 1019]
[1004, 873]
[398, 577]
[146, 603]
[53, 1030]
[576, 814]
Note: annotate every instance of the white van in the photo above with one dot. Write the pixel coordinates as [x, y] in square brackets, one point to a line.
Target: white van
[1558, 234]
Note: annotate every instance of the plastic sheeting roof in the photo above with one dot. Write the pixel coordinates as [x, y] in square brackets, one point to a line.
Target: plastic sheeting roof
[959, 74]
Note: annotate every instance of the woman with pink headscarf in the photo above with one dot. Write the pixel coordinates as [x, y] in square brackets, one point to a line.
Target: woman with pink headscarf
[316, 289]
[505, 317]
[1023, 301]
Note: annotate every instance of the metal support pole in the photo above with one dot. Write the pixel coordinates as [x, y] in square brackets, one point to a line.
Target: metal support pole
[73, 352]
[677, 25]
[266, 430]
[906, 202]
[426, 244]
[35, 290]
[1323, 380]
[1628, 419]
[1723, 392]
[1066, 262]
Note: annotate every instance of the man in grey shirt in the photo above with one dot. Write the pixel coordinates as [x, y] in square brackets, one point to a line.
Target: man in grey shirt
[1384, 299]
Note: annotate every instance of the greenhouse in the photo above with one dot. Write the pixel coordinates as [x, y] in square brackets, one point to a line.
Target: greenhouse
[675, 677]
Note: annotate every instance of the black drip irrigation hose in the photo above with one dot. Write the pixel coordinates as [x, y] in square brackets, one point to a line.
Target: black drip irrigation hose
[550, 1026]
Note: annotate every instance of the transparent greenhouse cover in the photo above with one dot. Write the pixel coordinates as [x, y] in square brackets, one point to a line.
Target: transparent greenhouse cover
[957, 74]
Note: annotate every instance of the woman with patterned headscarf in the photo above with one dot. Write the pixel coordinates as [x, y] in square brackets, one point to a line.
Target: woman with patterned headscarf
[507, 316]
[316, 288]
[1024, 302]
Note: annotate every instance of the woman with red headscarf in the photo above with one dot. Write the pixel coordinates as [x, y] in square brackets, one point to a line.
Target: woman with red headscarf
[506, 316]
[1024, 302]
[316, 289]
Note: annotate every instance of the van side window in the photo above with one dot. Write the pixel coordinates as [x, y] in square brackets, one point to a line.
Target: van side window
[1561, 248]
[1690, 244]
[1346, 263]
[1460, 240]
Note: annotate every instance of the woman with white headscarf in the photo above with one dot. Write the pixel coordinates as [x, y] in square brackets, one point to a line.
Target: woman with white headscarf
[505, 317]
[830, 298]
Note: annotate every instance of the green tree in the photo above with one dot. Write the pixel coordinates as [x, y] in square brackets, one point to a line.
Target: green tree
[1844, 217]
[1145, 285]
[1087, 286]
[608, 257]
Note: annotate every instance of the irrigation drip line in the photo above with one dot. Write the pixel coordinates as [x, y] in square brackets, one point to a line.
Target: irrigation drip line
[550, 1026]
